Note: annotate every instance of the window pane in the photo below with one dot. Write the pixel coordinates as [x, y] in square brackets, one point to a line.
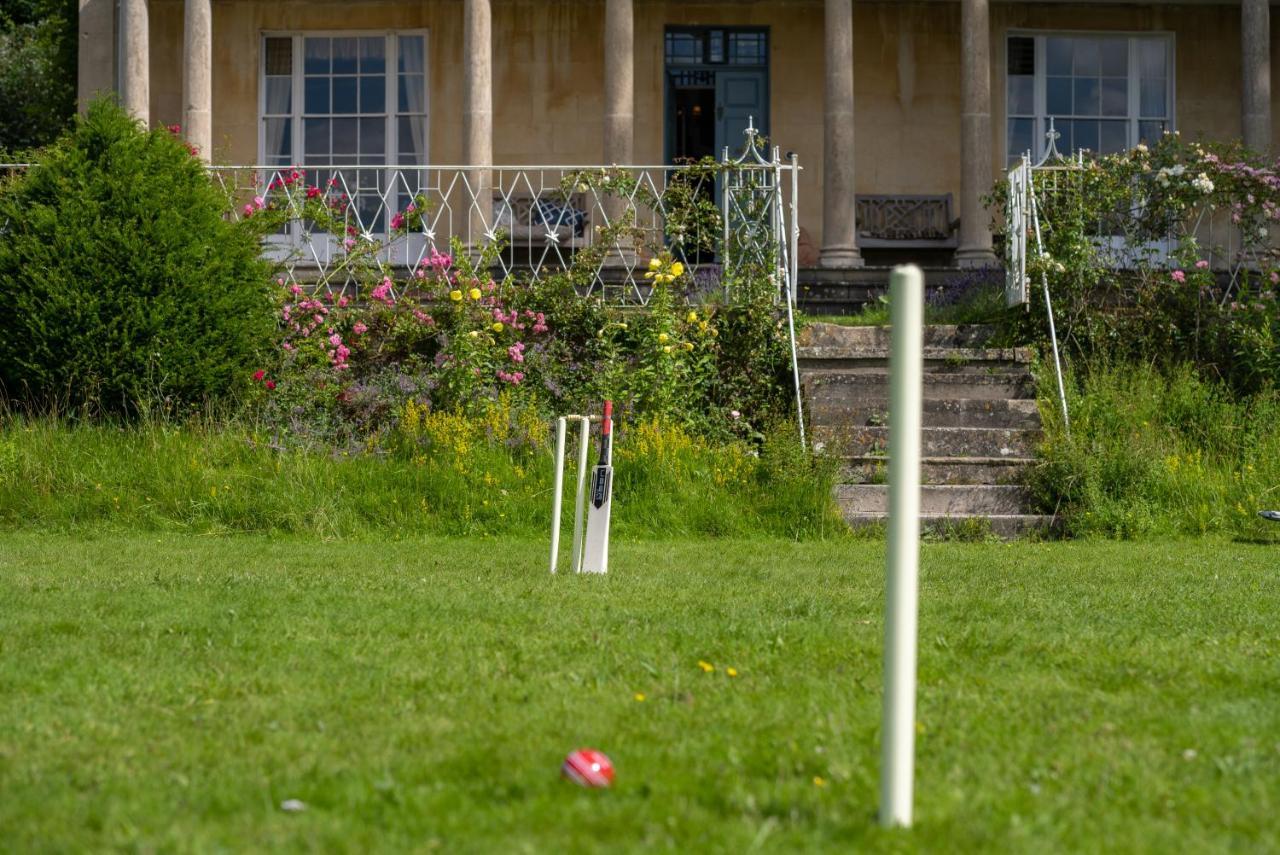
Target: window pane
[317, 95]
[1084, 133]
[1022, 56]
[373, 94]
[373, 56]
[1065, 142]
[1115, 137]
[1020, 131]
[1115, 57]
[1115, 96]
[1058, 94]
[684, 48]
[1151, 58]
[279, 96]
[1153, 99]
[317, 56]
[1150, 132]
[747, 48]
[316, 138]
[373, 137]
[413, 93]
[1058, 56]
[1086, 96]
[344, 55]
[345, 139]
[278, 139]
[344, 94]
[1085, 56]
[715, 46]
[279, 56]
[412, 139]
[411, 49]
[1022, 96]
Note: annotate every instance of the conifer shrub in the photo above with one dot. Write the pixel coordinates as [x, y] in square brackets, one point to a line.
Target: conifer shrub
[124, 285]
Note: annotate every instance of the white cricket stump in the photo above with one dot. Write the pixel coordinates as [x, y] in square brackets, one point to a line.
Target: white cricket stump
[906, 361]
[580, 493]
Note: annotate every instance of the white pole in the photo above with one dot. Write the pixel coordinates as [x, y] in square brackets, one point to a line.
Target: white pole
[579, 501]
[556, 495]
[906, 300]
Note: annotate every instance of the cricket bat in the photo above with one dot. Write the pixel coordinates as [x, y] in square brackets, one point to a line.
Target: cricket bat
[595, 552]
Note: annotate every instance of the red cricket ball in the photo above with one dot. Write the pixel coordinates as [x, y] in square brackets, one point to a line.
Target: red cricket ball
[587, 767]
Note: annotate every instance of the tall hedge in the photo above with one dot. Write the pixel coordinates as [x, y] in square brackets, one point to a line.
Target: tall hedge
[121, 282]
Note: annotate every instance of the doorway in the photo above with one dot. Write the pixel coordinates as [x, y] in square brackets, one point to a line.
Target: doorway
[717, 80]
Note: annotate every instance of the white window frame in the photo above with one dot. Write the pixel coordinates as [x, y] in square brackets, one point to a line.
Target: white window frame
[299, 94]
[1041, 81]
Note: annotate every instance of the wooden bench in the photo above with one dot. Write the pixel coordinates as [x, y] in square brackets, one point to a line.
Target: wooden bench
[906, 222]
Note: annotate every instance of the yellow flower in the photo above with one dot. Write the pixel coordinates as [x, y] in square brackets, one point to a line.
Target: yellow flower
[497, 326]
[714, 333]
[819, 781]
[702, 326]
[474, 333]
[655, 263]
[662, 338]
[639, 696]
[688, 345]
[677, 269]
[666, 348]
[475, 293]
[732, 672]
[707, 667]
[455, 295]
[693, 317]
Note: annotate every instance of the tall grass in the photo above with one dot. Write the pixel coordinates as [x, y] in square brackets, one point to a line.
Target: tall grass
[1155, 452]
[451, 476]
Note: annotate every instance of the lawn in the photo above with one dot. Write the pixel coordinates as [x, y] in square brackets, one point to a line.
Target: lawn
[168, 692]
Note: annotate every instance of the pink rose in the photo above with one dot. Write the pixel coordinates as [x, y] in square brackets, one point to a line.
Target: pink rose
[359, 328]
[1202, 265]
[1178, 276]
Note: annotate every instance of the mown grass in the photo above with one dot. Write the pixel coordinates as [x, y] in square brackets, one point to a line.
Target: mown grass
[169, 693]
[1159, 453]
[454, 478]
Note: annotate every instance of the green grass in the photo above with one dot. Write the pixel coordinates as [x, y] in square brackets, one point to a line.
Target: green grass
[168, 692]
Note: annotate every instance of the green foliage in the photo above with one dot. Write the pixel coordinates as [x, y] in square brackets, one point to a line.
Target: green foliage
[122, 280]
[1162, 254]
[436, 473]
[1152, 453]
[37, 72]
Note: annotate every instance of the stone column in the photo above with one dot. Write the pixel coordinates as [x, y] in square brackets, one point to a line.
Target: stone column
[839, 229]
[619, 106]
[197, 76]
[1255, 53]
[477, 116]
[975, 135]
[135, 70]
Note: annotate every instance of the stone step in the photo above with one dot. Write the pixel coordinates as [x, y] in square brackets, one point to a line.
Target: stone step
[852, 388]
[936, 335]
[944, 499]
[1005, 526]
[874, 468]
[854, 441]
[952, 360]
[938, 412]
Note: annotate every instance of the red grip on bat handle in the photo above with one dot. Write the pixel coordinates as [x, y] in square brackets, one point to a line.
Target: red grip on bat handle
[608, 417]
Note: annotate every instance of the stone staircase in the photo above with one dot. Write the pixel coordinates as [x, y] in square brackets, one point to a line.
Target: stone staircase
[980, 424]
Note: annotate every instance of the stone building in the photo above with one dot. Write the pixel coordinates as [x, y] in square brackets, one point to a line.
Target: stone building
[897, 98]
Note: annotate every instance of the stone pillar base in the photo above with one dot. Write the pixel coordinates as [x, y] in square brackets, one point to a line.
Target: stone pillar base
[840, 258]
[975, 258]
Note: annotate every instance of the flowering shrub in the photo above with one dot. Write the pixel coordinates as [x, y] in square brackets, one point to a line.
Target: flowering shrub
[1164, 253]
[447, 336]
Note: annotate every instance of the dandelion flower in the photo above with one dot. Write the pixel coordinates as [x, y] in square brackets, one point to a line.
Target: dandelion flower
[707, 667]
[819, 781]
[688, 345]
[474, 293]
[666, 348]
[692, 318]
[455, 295]
[639, 696]
[732, 672]
[663, 338]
